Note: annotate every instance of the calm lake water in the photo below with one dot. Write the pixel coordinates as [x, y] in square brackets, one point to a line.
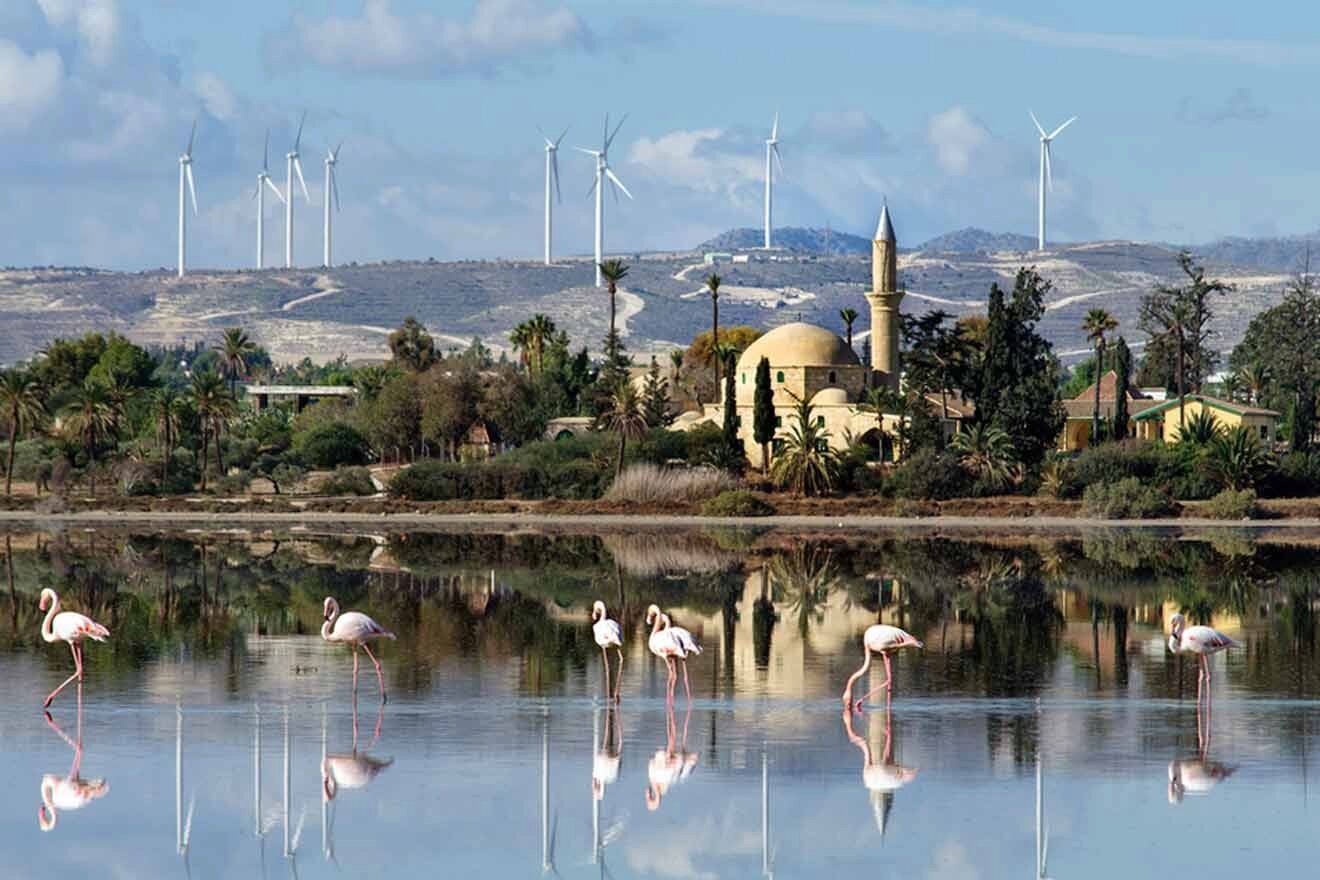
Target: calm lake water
[1041, 724]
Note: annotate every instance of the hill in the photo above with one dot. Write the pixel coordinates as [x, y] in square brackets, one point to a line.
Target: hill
[794, 239]
[972, 240]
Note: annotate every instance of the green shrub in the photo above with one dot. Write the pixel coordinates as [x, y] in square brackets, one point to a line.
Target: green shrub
[737, 502]
[331, 445]
[349, 481]
[1296, 476]
[927, 475]
[501, 478]
[1128, 498]
[235, 483]
[1110, 462]
[1231, 504]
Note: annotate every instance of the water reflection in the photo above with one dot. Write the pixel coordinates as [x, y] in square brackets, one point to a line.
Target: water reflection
[606, 760]
[1200, 774]
[353, 770]
[882, 779]
[71, 791]
[672, 764]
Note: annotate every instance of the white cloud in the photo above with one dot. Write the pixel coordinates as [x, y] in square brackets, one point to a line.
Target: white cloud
[958, 138]
[423, 45]
[701, 159]
[28, 84]
[97, 22]
[217, 97]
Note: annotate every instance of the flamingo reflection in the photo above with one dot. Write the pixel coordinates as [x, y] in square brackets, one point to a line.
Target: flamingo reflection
[607, 754]
[70, 792]
[674, 763]
[882, 780]
[1198, 775]
[346, 771]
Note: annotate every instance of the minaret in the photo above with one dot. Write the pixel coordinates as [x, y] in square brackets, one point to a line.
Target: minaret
[884, 298]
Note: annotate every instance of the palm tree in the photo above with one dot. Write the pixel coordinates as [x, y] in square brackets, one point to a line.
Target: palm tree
[369, 381]
[521, 339]
[1254, 378]
[21, 399]
[613, 271]
[625, 418]
[1099, 322]
[88, 416]
[849, 316]
[119, 393]
[1237, 458]
[713, 285]
[987, 453]
[540, 332]
[235, 349]
[876, 402]
[1201, 429]
[676, 361]
[208, 395]
[167, 409]
[805, 463]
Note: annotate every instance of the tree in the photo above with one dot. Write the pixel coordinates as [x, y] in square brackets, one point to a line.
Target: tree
[235, 349]
[805, 463]
[450, 404]
[1237, 459]
[1255, 380]
[1099, 322]
[540, 333]
[209, 397]
[713, 285]
[655, 398]
[613, 271]
[394, 418]
[22, 401]
[371, 379]
[763, 413]
[1182, 315]
[848, 315]
[1123, 374]
[987, 453]
[624, 418]
[1202, 429]
[88, 417]
[676, 363]
[876, 402]
[521, 340]
[1018, 374]
[167, 410]
[938, 357]
[412, 347]
[733, 453]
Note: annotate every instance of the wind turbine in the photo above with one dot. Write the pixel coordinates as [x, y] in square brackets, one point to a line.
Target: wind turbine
[263, 181]
[771, 150]
[1046, 176]
[331, 186]
[292, 164]
[186, 175]
[551, 173]
[603, 171]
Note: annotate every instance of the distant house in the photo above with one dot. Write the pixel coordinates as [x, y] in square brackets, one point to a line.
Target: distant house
[1076, 432]
[568, 427]
[1161, 421]
[301, 395]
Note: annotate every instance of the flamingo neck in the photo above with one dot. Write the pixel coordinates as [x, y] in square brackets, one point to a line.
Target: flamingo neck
[328, 628]
[659, 624]
[866, 664]
[47, 632]
[48, 794]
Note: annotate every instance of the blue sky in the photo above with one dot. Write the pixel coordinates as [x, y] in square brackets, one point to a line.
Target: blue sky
[1196, 120]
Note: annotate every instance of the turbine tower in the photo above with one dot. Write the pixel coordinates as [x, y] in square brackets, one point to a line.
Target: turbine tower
[771, 151]
[186, 177]
[603, 173]
[551, 176]
[331, 186]
[292, 164]
[263, 181]
[1046, 176]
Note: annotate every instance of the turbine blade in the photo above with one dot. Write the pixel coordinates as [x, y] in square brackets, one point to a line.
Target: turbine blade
[334, 186]
[588, 152]
[265, 159]
[1039, 127]
[619, 183]
[192, 137]
[774, 129]
[257, 191]
[335, 154]
[1056, 131]
[605, 135]
[554, 168]
[561, 136]
[1049, 173]
[192, 188]
[275, 189]
[615, 133]
[774, 148]
[297, 142]
[297, 166]
[594, 182]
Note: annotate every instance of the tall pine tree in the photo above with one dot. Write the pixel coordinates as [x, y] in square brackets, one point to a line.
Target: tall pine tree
[655, 398]
[763, 413]
[733, 455]
[1123, 375]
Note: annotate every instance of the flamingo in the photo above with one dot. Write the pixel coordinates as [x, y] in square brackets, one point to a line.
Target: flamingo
[883, 640]
[671, 643]
[71, 628]
[356, 629]
[71, 792]
[608, 635]
[1201, 641]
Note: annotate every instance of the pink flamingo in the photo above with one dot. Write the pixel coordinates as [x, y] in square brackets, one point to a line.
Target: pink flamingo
[70, 792]
[71, 628]
[356, 629]
[1201, 641]
[608, 635]
[671, 643]
[883, 640]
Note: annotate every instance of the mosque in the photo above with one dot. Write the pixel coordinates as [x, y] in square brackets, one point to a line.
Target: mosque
[814, 364]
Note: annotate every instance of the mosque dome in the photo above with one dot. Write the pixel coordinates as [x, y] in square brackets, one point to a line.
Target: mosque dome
[799, 345]
[830, 397]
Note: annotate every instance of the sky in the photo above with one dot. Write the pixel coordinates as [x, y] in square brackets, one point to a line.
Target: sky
[1195, 121]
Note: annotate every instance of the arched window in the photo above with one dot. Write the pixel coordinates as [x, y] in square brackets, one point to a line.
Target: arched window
[833, 377]
[779, 376]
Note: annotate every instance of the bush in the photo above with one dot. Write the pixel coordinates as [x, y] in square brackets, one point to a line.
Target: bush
[446, 481]
[233, 484]
[737, 502]
[1111, 462]
[348, 481]
[927, 475]
[1231, 504]
[331, 445]
[1297, 476]
[1128, 498]
[646, 483]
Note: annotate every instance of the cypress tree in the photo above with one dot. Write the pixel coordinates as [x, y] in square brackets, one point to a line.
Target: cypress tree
[734, 456]
[763, 412]
[1123, 369]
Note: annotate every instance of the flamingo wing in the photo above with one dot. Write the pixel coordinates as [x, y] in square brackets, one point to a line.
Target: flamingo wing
[685, 640]
[1205, 640]
[882, 637]
[608, 633]
[73, 627]
[354, 626]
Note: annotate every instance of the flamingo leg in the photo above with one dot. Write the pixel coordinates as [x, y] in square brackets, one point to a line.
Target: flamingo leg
[687, 685]
[885, 685]
[669, 685]
[605, 661]
[380, 676]
[618, 676]
[77, 676]
[355, 670]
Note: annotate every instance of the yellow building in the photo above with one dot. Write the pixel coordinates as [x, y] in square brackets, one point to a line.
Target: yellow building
[814, 364]
[1162, 423]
